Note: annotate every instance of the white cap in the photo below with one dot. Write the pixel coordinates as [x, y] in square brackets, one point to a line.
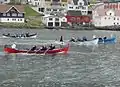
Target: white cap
[13, 46]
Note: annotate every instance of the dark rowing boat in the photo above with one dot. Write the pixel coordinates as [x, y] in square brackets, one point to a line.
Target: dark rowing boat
[26, 35]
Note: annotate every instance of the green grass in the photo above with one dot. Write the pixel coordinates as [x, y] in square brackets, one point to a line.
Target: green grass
[30, 12]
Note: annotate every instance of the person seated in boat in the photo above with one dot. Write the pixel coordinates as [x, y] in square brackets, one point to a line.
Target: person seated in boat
[72, 39]
[8, 34]
[43, 48]
[51, 47]
[94, 37]
[100, 38]
[79, 39]
[33, 48]
[13, 46]
[22, 35]
[105, 38]
[17, 35]
[84, 38]
[27, 34]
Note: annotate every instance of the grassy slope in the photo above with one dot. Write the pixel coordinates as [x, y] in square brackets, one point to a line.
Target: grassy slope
[30, 12]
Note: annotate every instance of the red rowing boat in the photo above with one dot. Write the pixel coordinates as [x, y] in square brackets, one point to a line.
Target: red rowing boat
[63, 50]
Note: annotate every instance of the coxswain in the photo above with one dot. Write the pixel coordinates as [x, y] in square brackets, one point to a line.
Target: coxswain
[61, 39]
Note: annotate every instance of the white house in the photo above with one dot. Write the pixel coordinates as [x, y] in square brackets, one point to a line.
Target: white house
[106, 14]
[35, 2]
[52, 21]
[12, 13]
[78, 5]
[4, 1]
[48, 6]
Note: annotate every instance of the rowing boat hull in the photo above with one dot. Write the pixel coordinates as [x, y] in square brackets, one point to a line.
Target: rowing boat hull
[108, 41]
[31, 36]
[54, 51]
[91, 42]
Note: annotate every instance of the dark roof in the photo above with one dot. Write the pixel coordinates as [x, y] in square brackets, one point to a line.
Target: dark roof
[76, 2]
[5, 8]
[74, 13]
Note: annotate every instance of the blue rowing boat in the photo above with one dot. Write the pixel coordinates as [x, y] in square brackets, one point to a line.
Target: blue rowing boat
[106, 40]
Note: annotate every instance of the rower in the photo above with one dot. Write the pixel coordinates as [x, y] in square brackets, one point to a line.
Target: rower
[78, 39]
[84, 38]
[52, 47]
[33, 48]
[72, 39]
[13, 46]
[43, 48]
[105, 38]
[27, 34]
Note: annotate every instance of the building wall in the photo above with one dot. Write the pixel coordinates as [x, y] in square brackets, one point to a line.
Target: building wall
[4, 1]
[79, 7]
[107, 14]
[18, 20]
[78, 19]
[46, 20]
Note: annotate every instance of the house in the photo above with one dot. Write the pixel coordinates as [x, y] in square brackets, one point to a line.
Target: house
[35, 2]
[4, 1]
[78, 5]
[106, 14]
[48, 6]
[12, 13]
[75, 18]
[53, 21]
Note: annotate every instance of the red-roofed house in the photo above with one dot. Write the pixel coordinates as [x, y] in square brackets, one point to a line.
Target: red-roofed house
[12, 13]
[106, 14]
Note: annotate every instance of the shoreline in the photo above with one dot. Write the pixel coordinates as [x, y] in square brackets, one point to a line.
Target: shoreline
[27, 26]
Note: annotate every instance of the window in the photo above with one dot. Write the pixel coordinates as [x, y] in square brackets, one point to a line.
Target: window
[35, 3]
[70, 7]
[13, 19]
[50, 23]
[8, 14]
[8, 19]
[4, 14]
[50, 19]
[114, 18]
[105, 17]
[20, 15]
[80, 3]
[117, 23]
[56, 19]
[110, 13]
[54, 9]
[14, 14]
[57, 23]
[114, 23]
[117, 18]
[48, 9]
[20, 19]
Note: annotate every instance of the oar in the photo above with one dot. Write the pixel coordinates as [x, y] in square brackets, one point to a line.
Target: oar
[45, 51]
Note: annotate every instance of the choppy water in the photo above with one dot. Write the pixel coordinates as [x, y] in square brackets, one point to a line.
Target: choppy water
[81, 67]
